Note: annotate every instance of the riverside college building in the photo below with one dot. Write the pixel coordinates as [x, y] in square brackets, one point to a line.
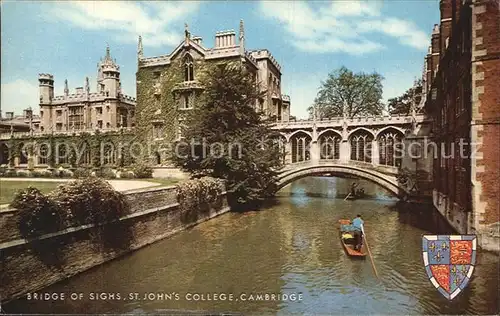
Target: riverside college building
[462, 90]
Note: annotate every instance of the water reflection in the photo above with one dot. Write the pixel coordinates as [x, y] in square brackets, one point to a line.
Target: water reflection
[292, 247]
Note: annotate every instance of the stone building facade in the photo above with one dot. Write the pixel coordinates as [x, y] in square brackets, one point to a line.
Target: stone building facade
[107, 108]
[168, 85]
[462, 96]
[26, 122]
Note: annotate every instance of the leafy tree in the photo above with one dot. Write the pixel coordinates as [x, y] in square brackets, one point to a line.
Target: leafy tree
[224, 137]
[359, 93]
[402, 104]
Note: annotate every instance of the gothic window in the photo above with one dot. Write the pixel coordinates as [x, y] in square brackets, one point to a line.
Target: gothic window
[23, 154]
[84, 151]
[361, 146]
[188, 68]
[4, 154]
[390, 145]
[329, 143]
[62, 153]
[300, 147]
[43, 153]
[108, 154]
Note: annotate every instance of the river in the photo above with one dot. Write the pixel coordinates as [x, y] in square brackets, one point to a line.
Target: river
[290, 248]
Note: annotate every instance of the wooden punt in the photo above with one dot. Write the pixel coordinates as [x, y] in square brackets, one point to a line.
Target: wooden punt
[349, 247]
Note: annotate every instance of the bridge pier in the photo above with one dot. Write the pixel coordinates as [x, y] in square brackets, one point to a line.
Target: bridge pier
[375, 153]
[345, 151]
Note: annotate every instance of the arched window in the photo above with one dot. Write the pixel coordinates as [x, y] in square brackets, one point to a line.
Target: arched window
[158, 158]
[108, 152]
[300, 147]
[361, 143]
[329, 143]
[4, 154]
[23, 154]
[62, 153]
[84, 154]
[188, 68]
[43, 154]
[389, 146]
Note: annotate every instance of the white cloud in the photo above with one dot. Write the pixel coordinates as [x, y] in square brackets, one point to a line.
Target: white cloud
[18, 95]
[152, 20]
[341, 26]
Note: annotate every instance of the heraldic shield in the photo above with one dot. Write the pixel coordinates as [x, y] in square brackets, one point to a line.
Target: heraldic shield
[449, 261]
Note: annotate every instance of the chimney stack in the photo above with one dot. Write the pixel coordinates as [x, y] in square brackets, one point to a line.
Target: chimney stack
[225, 39]
[198, 40]
[79, 90]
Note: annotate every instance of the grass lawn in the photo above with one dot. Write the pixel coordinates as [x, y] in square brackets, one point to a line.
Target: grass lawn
[9, 188]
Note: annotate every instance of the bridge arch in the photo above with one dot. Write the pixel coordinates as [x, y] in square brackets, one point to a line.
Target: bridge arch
[385, 129]
[358, 129]
[386, 181]
[299, 131]
[330, 130]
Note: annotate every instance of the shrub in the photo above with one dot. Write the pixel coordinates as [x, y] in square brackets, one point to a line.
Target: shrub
[141, 171]
[107, 173]
[11, 173]
[198, 194]
[42, 174]
[3, 171]
[63, 173]
[90, 200]
[127, 175]
[82, 173]
[38, 214]
[23, 173]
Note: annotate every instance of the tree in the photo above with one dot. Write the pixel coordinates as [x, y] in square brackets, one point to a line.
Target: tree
[403, 103]
[226, 138]
[359, 94]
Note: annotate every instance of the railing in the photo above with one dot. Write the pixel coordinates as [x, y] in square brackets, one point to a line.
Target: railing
[353, 121]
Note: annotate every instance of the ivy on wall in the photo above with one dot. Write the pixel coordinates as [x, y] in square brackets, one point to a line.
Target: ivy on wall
[73, 143]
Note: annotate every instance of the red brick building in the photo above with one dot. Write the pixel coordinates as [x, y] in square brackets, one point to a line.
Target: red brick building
[462, 86]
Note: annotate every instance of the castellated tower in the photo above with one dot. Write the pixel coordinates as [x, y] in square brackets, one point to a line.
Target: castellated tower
[46, 85]
[108, 76]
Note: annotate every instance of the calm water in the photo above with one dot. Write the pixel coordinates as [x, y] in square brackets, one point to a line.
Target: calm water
[290, 248]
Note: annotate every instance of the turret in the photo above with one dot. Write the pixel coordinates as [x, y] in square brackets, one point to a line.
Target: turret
[66, 89]
[242, 39]
[446, 8]
[140, 49]
[108, 76]
[46, 88]
[436, 48]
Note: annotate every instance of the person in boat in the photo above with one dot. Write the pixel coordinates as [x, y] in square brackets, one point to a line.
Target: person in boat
[357, 223]
[353, 188]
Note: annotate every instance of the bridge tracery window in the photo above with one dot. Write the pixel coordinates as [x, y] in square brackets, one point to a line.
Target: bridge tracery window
[329, 144]
[390, 145]
[300, 147]
[361, 143]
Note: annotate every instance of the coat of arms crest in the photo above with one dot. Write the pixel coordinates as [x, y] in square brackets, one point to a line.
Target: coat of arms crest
[449, 262]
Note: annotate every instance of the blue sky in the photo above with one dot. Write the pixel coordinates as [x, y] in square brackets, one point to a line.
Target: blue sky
[309, 40]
